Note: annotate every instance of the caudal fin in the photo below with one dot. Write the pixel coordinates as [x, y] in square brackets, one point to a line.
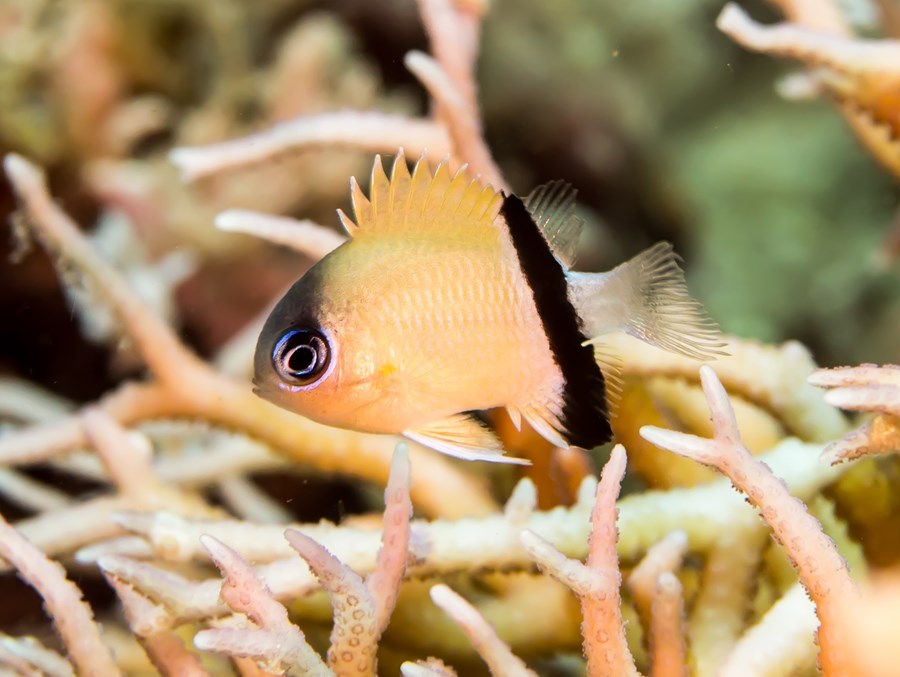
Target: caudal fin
[648, 298]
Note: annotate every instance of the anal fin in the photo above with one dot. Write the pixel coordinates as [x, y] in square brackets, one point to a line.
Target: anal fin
[544, 417]
[463, 437]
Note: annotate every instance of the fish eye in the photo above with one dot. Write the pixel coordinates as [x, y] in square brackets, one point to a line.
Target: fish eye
[301, 355]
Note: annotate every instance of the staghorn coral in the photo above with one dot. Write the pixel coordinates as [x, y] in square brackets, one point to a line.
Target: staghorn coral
[702, 589]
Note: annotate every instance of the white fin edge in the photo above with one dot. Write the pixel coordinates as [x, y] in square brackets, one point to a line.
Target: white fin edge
[647, 297]
[463, 437]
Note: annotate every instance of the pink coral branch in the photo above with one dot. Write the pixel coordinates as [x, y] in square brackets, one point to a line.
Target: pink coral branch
[160, 348]
[361, 611]
[495, 652]
[598, 581]
[384, 583]
[305, 237]
[72, 617]
[279, 643]
[462, 123]
[603, 630]
[667, 628]
[368, 131]
[453, 32]
[823, 572]
[149, 623]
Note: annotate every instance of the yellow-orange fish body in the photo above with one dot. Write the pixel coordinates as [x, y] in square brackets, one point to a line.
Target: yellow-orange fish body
[448, 298]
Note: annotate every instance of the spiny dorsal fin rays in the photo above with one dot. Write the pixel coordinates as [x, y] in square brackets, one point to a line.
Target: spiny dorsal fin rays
[552, 205]
[421, 200]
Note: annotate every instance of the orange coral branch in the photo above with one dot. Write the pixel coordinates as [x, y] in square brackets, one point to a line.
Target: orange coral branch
[666, 628]
[597, 581]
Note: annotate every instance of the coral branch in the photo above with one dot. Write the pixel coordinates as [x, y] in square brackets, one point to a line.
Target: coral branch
[822, 570]
[30, 494]
[29, 657]
[665, 556]
[705, 513]
[720, 609]
[597, 581]
[844, 54]
[428, 668]
[362, 610]
[306, 237]
[864, 388]
[780, 641]
[160, 348]
[72, 617]
[162, 645]
[771, 377]
[666, 632]
[384, 582]
[278, 643]
[498, 656]
[463, 125]
[368, 131]
[821, 15]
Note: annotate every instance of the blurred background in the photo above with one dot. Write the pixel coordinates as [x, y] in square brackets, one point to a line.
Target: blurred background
[667, 129]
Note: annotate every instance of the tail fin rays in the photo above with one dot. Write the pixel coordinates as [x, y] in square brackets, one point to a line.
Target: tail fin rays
[648, 298]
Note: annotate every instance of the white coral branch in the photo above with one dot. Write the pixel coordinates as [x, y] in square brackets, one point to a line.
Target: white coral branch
[500, 659]
[368, 131]
[305, 237]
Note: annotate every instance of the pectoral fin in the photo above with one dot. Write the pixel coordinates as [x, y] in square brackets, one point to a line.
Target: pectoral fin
[463, 437]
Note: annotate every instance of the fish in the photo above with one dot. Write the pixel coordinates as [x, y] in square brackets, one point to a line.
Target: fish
[449, 298]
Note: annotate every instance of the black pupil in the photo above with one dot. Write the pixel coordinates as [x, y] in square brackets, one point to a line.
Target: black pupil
[301, 359]
[300, 355]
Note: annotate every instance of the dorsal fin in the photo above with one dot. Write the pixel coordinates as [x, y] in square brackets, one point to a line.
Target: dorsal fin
[552, 206]
[420, 201]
